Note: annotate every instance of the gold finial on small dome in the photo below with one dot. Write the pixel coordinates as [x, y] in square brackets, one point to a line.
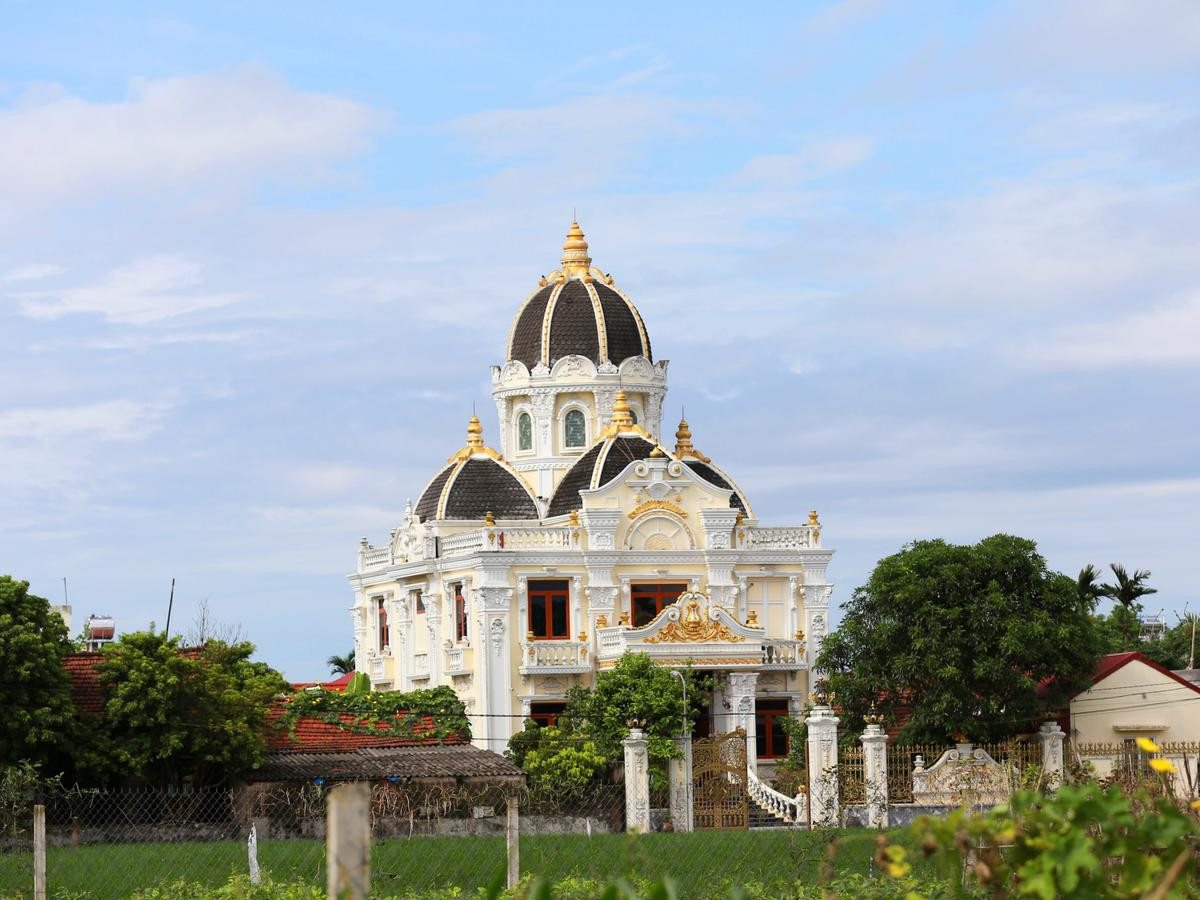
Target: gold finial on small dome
[575, 259]
[683, 439]
[620, 412]
[812, 518]
[475, 434]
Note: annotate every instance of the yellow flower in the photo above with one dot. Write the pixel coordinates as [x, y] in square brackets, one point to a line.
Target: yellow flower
[1196, 804]
[898, 869]
[1147, 746]
[1162, 765]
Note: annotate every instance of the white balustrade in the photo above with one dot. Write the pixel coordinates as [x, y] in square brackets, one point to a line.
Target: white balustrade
[793, 810]
[547, 657]
[374, 558]
[462, 544]
[783, 654]
[798, 537]
[536, 538]
[456, 660]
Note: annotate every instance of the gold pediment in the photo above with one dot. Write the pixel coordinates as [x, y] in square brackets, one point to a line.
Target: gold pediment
[666, 505]
[693, 628]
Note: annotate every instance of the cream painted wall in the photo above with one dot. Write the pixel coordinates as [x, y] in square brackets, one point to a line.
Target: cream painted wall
[1137, 700]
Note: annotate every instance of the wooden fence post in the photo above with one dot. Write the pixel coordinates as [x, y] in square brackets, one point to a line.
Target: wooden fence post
[348, 842]
[39, 852]
[512, 833]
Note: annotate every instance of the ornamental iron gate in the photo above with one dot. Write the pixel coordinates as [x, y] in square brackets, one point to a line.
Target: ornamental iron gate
[719, 798]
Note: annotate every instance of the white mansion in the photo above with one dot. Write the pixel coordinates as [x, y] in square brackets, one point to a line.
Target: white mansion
[524, 570]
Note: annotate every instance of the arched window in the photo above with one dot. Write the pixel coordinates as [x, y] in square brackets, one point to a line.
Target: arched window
[574, 429]
[524, 432]
[633, 415]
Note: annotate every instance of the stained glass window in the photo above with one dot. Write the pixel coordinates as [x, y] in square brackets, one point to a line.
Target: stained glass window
[575, 430]
[524, 432]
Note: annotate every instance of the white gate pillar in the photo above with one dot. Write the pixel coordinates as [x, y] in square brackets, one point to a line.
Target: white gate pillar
[679, 775]
[637, 782]
[874, 740]
[822, 764]
[1051, 737]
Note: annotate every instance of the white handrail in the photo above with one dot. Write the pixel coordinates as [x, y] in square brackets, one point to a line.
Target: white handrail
[792, 810]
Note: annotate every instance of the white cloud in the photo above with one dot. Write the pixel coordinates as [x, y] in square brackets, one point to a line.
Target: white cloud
[55, 146]
[1167, 335]
[819, 159]
[143, 291]
[32, 272]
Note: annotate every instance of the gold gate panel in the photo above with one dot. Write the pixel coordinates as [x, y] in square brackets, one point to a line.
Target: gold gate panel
[719, 798]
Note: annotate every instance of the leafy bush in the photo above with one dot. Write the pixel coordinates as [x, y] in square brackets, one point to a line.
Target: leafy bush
[1081, 841]
[563, 765]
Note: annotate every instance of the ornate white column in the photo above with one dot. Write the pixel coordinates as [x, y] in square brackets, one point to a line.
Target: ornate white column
[398, 621]
[822, 764]
[637, 782]
[740, 696]
[493, 656]
[358, 619]
[433, 622]
[874, 740]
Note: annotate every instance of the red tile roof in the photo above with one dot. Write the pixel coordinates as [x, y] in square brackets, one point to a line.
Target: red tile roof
[85, 682]
[314, 735]
[338, 684]
[1106, 665]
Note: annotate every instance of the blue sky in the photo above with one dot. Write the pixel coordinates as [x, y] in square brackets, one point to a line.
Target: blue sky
[933, 269]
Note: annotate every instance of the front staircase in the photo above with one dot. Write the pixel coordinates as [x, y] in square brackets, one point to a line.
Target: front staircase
[771, 809]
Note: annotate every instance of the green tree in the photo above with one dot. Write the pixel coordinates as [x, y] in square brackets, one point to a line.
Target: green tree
[1128, 591]
[962, 636]
[175, 715]
[563, 764]
[35, 693]
[637, 690]
[1174, 649]
[341, 665]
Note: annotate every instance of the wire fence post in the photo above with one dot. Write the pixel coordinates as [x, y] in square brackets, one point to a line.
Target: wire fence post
[39, 852]
[512, 833]
[348, 842]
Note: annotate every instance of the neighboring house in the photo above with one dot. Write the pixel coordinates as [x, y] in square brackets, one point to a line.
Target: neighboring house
[1131, 697]
[1134, 697]
[523, 571]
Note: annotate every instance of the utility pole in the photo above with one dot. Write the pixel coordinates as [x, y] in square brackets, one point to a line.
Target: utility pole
[170, 603]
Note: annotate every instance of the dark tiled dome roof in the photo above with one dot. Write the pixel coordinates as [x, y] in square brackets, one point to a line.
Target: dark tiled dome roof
[709, 473]
[578, 313]
[596, 468]
[476, 481]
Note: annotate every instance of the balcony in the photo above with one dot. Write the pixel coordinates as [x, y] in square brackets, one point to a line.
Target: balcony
[800, 537]
[783, 655]
[555, 658]
[459, 660]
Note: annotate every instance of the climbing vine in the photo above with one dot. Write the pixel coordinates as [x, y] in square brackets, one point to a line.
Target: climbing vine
[433, 714]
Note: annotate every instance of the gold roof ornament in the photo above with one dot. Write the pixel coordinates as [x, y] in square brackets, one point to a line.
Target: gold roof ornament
[813, 520]
[475, 434]
[752, 619]
[693, 627]
[683, 443]
[474, 443]
[574, 517]
[489, 520]
[621, 417]
[575, 259]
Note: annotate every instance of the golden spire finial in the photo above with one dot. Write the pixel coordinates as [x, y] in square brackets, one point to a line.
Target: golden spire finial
[812, 518]
[620, 412]
[575, 259]
[683, 439]
[475, 434]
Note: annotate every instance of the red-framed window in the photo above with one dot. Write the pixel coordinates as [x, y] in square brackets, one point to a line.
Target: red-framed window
[772, 741]
[460, 614]
[546, 714]
[549, 610]
[383, 638]
[648, 600]
[420, 601]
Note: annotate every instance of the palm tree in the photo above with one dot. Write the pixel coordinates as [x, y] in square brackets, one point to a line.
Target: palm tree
[1088, 586]
[341, 665]
[1126, 591]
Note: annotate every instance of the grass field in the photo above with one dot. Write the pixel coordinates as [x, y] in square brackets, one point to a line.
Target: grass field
[703, 864]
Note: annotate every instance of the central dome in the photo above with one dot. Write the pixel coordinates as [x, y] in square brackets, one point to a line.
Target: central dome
[577, 311]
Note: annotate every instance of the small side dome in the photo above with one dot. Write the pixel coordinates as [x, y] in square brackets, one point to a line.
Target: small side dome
[476, 482]
[577, 311]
